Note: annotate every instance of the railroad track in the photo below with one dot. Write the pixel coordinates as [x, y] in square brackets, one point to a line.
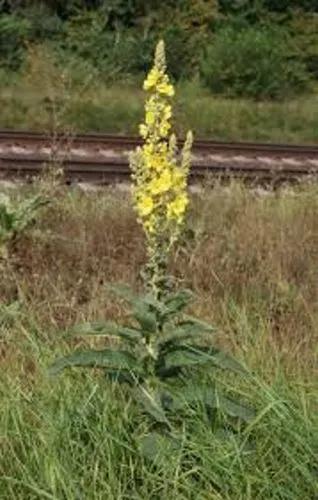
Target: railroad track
[103, 159]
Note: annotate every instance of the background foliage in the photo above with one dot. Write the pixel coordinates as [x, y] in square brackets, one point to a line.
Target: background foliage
[203, 37]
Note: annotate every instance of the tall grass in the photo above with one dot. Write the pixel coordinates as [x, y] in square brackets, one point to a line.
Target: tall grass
[252, 261]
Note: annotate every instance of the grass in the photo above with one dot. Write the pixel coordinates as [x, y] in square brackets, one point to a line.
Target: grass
[43, 97]
[252, 263]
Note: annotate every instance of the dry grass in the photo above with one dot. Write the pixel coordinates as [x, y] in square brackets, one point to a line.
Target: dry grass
[251, 261]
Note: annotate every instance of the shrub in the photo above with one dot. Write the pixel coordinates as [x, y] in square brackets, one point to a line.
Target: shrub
[111, 52]
[252, 63]
[185, 26]
[44, 23]
[13, 32]
[124, 49]
[304, 32]
[181, 53]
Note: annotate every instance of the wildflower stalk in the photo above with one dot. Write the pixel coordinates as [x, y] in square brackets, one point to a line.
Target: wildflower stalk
[159, 180]
[162, 350]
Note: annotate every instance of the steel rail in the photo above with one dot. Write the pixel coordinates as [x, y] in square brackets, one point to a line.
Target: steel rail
[102, 158]
[132, 141]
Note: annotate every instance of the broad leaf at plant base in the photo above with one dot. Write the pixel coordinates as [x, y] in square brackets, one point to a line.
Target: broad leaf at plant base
[151, 401]
[182, 332]
[109, 359]
[208, 396]
[187, 355]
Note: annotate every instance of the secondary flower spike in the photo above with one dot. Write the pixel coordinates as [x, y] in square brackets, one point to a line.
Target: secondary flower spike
[159, 180]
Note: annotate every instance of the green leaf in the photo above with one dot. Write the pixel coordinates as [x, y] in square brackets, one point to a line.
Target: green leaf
[156, 447]
[111, 359]
[152, 404]
[176, 302]
[146, 318]
[6, 219]
[142, 306]
[209, 397]
[154, 304]
[203, 324]
[107, 328]
[235, 409]
[184, 356]
[226, 362]
[192, 394]
[182, 332]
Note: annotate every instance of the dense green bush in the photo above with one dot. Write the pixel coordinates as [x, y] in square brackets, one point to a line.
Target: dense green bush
[109, 40]
[128, 51]
[111, 52]
[213, 37]
[261, 6]
[13, 32]
[304, 32]
[252, 62]
[43, 22]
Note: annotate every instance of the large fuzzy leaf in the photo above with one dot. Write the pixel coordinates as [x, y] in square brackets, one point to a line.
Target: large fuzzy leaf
[209, 397]
[107, 328]
[125, 292]
[154, 304]
[184, 356]
[146, 318]
[109, 359]
[195, 321]
[235, 408]
[151, 401]
[142, 307]
[175, 302]
[184, 331]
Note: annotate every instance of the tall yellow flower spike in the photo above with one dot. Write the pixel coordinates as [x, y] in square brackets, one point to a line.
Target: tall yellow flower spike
[159, 182]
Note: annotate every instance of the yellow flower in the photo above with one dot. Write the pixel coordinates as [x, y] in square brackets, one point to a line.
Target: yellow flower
[165, 88]
[150, 225]
[159, 178]
[179, 179]
[143, 130]
[167, 111]
[152, 79]
[150, 118]
[145, 205]
[148, 150]
[164, 129]
[177, 207]
[162, 184]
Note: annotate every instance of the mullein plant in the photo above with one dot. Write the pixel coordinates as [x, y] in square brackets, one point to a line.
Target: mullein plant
[161, 354]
